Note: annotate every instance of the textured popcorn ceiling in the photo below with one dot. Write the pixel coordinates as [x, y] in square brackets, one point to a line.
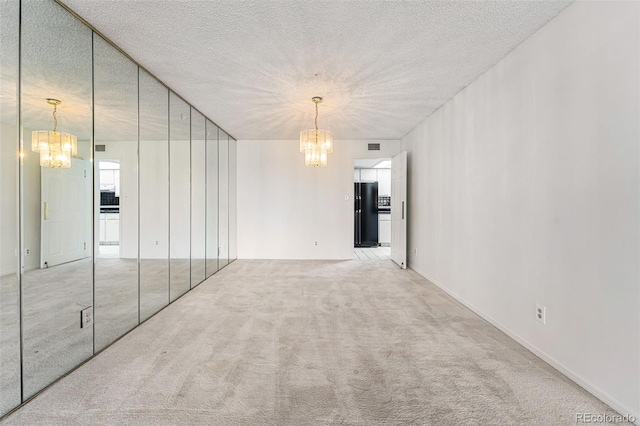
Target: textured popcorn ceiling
[253, 66]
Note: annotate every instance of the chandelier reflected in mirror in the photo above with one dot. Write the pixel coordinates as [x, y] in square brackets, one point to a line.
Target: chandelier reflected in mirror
[55, 148]
[316, 144]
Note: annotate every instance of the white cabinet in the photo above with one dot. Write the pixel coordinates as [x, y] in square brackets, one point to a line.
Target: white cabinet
[384, 182]
[103, 227]
[109, 227]
[384, 229]
[382, 176]
[113, 227]
[368, 175]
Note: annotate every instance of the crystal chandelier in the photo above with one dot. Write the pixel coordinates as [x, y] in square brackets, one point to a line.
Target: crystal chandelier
[316, 143]
[55, 148]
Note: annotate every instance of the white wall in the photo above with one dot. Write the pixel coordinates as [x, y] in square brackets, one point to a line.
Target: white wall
[8, 202]
[31, 179]
[154, 199]
[524, 188]
[285, 207]
[233, 199]
[180, 197]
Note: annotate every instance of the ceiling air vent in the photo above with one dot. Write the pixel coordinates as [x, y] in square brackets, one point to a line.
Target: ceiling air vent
[101, 148]
[374, 147]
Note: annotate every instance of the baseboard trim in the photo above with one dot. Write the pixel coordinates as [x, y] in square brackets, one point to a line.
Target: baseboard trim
[585, 384]
[5, 274]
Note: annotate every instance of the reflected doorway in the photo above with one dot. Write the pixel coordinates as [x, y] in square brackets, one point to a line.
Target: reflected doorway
[109, 218]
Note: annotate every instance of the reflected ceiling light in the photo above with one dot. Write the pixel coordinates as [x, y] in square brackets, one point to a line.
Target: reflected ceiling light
[316, 143]
[55, 148]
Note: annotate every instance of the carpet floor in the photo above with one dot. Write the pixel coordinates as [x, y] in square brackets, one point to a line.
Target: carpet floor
[313, 343]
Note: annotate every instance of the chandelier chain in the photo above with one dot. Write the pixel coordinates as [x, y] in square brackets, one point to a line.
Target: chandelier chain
[55, 118]
[316, 123]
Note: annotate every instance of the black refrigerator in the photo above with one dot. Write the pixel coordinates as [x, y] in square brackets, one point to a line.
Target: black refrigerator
[366, 214]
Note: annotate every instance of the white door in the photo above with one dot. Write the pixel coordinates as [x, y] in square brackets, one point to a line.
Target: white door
[399, 209]
[65, 232]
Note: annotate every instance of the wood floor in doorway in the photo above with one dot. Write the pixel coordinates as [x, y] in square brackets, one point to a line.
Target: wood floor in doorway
[371, 253]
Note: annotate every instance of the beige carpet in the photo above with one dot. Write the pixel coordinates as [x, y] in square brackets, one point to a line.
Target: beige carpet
[313, 342]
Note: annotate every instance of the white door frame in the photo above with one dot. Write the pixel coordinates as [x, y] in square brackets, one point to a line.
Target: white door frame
[399, 209]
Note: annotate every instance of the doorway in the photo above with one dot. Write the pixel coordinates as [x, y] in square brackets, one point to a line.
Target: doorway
[109, 217]
[372, 208]
[380, 209]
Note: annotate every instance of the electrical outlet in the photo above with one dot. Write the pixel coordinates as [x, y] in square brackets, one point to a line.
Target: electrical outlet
[27, 252]
[316, 243]
[415, 251]
[86, 317]
[541, 313]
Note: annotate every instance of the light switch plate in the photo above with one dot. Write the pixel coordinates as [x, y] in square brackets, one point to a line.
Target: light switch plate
[86, 317]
